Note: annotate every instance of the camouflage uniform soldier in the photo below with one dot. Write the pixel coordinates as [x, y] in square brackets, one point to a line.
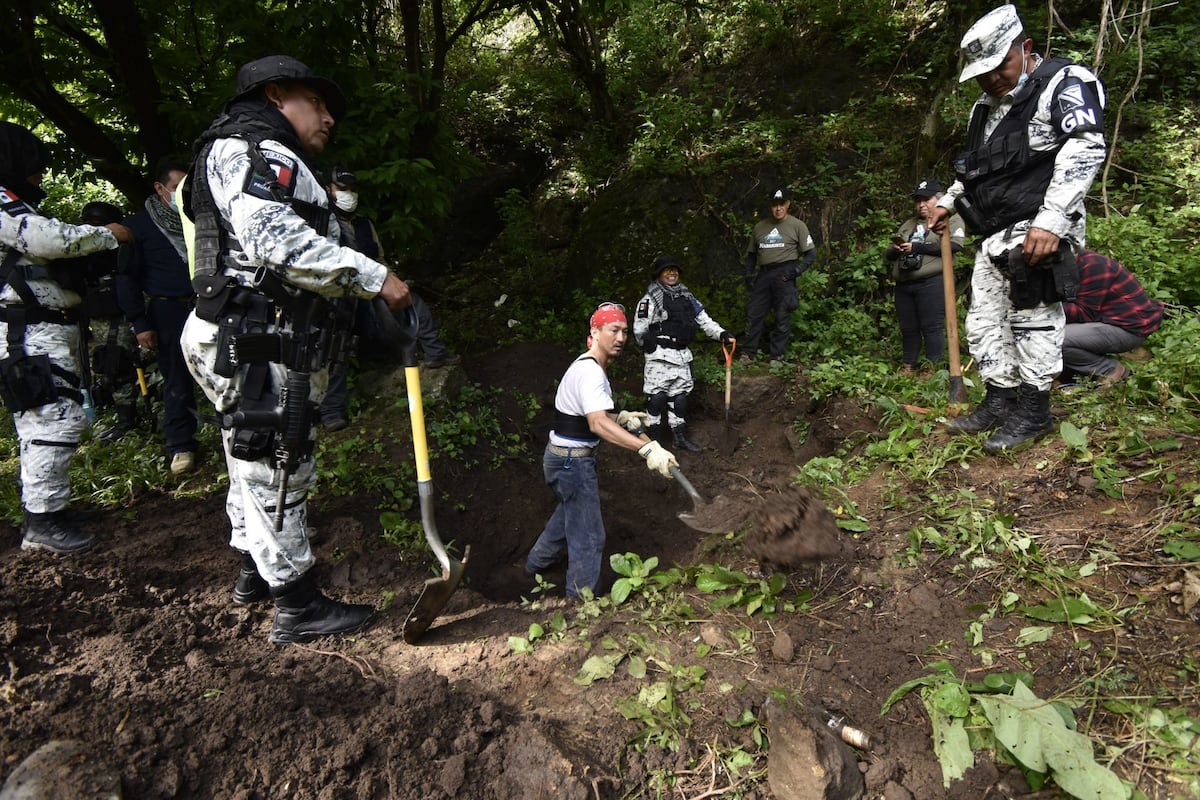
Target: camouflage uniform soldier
[39, 378]
[667, 319]
[263, 333]
[1035, 143]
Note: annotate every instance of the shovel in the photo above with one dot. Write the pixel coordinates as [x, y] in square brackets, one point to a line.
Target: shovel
[958, 392]
[731, 438]
[716, 517]
[436, 592]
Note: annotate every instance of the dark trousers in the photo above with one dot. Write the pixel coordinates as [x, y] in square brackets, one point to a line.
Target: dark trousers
[921, 310]
[1087, 347]
[179, 390]
[770, 294]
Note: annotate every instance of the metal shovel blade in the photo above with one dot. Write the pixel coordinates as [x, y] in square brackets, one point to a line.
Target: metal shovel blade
[719, 516]
[436, 592]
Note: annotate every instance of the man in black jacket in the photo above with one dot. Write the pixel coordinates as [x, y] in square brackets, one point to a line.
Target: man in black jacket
[156, 296]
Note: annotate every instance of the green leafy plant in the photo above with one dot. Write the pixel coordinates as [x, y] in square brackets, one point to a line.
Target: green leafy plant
[1001, 713]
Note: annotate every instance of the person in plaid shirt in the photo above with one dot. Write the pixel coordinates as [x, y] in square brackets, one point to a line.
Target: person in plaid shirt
[1111, 314]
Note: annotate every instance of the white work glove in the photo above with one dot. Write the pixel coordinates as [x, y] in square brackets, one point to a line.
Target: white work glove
[633, 421]
[658, 458]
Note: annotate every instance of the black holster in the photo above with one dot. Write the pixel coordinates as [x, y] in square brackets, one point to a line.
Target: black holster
[1054, 279]
[26, 382]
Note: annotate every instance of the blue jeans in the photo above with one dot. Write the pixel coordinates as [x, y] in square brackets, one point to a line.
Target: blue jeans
[576, 523]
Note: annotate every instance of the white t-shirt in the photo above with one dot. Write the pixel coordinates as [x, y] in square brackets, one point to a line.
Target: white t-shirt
[583, 389]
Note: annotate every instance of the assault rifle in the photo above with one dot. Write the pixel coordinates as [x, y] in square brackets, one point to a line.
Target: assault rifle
[314, 335]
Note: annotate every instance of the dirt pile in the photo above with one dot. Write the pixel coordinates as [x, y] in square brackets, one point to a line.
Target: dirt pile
[792, 528]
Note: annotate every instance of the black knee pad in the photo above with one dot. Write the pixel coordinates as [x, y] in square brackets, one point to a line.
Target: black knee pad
[656, 404]
[680, 403]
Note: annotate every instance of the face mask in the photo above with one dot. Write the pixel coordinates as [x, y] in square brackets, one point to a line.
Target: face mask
[346, 200]
[1024, 76]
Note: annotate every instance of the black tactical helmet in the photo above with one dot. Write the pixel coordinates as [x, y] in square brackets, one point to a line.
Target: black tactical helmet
[661, 263]
[278, 69]
[99, 213]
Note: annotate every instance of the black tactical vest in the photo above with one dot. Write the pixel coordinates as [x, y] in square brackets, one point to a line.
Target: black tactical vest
[1005, 180]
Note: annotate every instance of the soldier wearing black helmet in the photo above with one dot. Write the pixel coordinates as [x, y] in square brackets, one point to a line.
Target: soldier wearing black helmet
[39, 322]
[263, 333]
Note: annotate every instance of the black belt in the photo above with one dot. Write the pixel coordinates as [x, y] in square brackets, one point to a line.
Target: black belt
[790, 263]
[34, 314]
[183, 299]
[571, 452]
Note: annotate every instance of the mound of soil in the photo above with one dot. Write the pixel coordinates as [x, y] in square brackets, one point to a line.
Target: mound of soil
[137, 650]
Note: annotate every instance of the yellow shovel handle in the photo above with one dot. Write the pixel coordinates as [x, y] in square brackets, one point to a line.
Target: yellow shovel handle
[416, 412]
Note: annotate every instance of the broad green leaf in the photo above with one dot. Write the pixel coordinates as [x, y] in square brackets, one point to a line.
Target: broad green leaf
[1080, 611]
[951, 747]
[1033, 635]
[950, 699]
[1073, 436]
[519, 645]
[719, 578]
[1182, 549]
[620, 590]
[536, 632]
[942, 671]
[637, 667]
[1035, 733]
[597, 668]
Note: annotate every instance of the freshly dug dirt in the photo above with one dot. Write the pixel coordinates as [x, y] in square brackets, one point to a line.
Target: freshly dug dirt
[792, 528]
[137, 650]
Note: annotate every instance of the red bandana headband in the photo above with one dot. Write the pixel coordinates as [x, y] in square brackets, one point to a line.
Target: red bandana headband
[606, 313]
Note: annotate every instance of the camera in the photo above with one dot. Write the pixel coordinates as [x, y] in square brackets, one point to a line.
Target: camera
[912, 261]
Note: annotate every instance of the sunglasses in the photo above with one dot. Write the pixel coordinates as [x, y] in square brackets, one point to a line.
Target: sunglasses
[617, 306]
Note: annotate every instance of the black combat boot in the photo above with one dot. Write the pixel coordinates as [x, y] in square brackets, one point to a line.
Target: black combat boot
[54, 532]
[682, 442]
[302, 613]
[126, 421]
[250, 586]
[1031, 420]
[998, 404]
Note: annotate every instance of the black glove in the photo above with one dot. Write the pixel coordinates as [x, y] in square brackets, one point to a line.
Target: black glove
[726, 338]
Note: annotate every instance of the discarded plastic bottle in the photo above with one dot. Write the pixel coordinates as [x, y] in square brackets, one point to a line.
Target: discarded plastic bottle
[850, 735]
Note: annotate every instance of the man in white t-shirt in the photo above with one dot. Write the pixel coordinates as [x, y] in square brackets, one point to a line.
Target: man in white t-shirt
[584, 415]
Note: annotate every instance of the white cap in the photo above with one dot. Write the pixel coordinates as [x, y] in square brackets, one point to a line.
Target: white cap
[988, 40]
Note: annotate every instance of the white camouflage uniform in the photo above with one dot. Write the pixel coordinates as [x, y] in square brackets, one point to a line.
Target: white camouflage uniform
[48, 434]
[272, 234]
[668, 370]
[1014, 346]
